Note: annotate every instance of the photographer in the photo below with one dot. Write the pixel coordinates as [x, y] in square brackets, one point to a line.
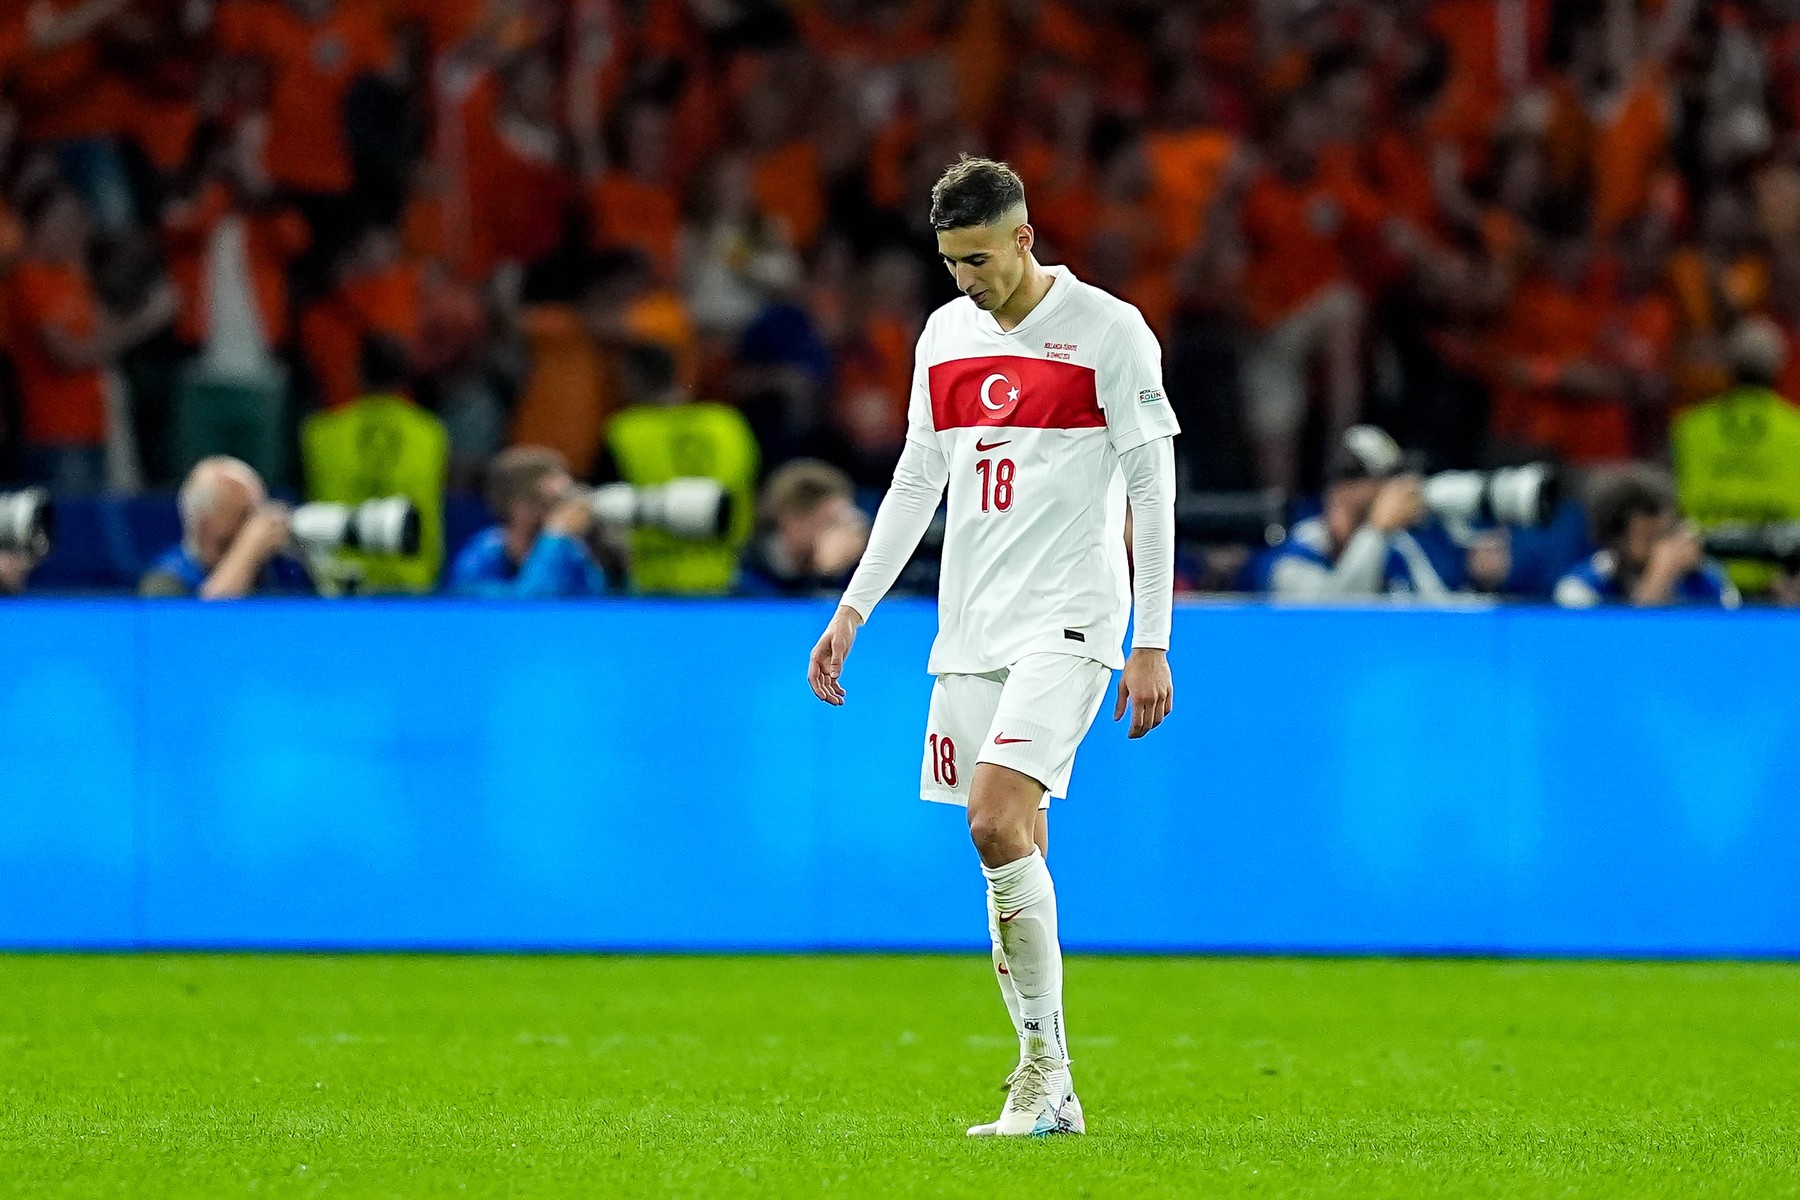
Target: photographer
[1647, 557]
[1737, 456]
[665, 434]
[811, 533]
[1359, 546]
[232, 539]
[539, 550]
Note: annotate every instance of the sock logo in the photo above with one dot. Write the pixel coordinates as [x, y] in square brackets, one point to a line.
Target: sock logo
[1006, 918]
[1034, 1026]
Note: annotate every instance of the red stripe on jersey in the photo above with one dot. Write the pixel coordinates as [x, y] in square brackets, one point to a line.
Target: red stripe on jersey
[1006, 390]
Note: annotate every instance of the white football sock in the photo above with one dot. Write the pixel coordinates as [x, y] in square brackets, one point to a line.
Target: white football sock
[1008, 992]
[1024, 902]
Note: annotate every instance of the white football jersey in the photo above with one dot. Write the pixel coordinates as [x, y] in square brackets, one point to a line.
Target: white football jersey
[1032, 422]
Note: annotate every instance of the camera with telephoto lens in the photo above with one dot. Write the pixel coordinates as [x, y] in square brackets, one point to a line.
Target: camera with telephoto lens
[1520, 496]
[691, 508]
[27, 521]
[388, 526]
[1777, 543]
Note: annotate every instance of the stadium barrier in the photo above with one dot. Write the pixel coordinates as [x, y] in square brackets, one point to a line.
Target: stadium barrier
[628, 775]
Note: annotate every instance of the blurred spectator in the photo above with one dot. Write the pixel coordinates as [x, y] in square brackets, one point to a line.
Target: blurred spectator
[1718, 278]
[230, 245]
[1496, 228]
[1299, 218]
[1647, 557]
[875, 365]
[1359, 546]
[734, 257]
[234, 542]
[376, 292]
[383, 445]
[665, 434]
[810, 534]
[64, 342]
[539, 549]
[632, 200]
[573, 329]
[70, 101]
[518, 160]
[1737, 457]
[1578, 349]
[311, 53]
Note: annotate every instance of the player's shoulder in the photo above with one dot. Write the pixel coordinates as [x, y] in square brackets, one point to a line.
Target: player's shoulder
[1113, 314]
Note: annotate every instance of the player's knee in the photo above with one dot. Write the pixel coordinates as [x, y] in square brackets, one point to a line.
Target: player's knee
[997, 839]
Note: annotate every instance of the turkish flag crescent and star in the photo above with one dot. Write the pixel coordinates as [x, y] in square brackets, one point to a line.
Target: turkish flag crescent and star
[1005, 390]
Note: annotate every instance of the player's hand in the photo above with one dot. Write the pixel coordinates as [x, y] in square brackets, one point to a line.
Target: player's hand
[829, 653]
[1148, 688]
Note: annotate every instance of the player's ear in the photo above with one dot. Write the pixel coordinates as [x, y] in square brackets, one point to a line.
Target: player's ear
[1026, 238]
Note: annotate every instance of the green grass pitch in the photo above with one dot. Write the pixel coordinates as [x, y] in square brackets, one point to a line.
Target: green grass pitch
[427, 1076]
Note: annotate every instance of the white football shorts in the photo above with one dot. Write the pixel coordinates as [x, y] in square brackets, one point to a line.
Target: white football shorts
[1030, 717]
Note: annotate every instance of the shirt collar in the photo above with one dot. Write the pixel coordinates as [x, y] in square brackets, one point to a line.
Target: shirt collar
[1061, 284]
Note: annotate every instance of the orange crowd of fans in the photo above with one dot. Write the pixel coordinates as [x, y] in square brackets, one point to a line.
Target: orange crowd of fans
[1495, 226]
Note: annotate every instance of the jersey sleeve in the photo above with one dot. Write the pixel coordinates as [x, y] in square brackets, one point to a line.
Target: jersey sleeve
[920, 425]
[1131, 386]
[904, 515]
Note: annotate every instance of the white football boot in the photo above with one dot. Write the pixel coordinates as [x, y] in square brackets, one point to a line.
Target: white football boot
[1032, 1109]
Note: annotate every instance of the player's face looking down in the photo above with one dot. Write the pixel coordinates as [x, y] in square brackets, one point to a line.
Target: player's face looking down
[988, 262]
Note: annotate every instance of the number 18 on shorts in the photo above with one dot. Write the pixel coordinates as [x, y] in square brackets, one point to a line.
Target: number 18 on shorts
[1030, 717]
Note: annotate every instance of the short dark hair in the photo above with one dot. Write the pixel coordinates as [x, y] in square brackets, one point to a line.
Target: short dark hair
[515, 473]
[973, 192]
[1639, 490]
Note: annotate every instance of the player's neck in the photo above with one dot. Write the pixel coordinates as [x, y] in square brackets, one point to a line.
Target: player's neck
[1034, 285]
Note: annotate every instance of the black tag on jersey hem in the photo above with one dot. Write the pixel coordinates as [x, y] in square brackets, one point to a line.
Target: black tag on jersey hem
[1074, 635]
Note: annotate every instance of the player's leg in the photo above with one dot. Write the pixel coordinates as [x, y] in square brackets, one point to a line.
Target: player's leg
[1008, 993]
[962, 709]
[1003, 822]
[1046, 706]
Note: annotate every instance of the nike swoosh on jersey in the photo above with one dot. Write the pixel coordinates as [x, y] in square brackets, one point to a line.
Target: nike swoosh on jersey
[982, 447]
[1006, 741]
